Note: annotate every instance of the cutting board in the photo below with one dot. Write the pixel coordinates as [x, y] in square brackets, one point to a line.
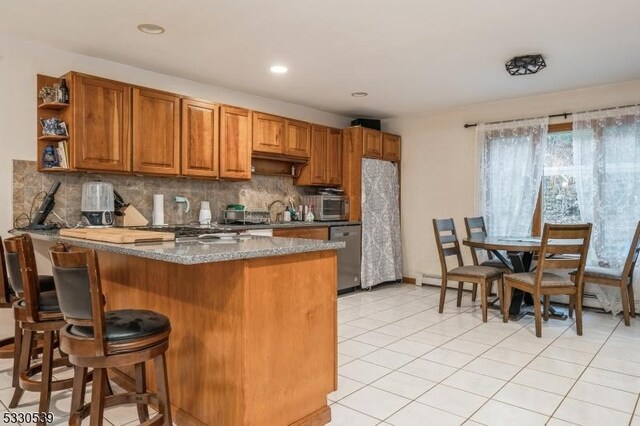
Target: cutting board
[117, 235]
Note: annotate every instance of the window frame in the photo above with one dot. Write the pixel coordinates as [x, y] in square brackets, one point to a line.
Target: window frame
[537, 213]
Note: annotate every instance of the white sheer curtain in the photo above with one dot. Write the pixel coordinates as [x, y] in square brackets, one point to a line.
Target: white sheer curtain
[510, 158]
[606, 149]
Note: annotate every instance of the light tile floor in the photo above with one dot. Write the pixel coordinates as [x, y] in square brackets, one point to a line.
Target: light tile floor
[402, 363]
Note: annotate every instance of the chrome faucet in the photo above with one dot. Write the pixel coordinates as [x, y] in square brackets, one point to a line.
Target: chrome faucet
[273, 204]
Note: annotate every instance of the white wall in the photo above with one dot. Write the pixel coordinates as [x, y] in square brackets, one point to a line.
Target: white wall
[20, 62]
[438, 167]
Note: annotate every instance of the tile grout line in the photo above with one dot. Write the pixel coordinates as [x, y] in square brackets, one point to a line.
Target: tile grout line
[519, 371]
[457, 370]
[394, 370]
[581, 374]
[461, 368]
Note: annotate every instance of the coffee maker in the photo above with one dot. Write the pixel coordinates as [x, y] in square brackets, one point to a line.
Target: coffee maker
[97, 204]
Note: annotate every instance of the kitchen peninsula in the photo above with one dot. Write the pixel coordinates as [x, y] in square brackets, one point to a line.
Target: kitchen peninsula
[254, 333]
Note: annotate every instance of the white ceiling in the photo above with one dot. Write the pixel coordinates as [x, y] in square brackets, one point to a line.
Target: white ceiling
[410, 55]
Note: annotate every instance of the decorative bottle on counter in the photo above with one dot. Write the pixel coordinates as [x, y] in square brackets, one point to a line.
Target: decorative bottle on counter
[309, 217]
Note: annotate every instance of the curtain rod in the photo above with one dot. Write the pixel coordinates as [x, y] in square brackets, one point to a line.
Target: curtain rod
[564, 114]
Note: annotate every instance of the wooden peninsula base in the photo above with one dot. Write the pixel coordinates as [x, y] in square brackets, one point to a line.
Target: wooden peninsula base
[253, 342]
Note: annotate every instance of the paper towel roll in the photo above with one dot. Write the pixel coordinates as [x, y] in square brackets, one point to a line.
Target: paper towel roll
[158, 209]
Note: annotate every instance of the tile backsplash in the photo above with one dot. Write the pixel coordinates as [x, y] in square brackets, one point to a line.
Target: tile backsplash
[255, 194]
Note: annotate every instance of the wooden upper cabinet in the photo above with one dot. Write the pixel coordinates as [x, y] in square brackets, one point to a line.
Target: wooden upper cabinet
[371, 143]
[156, 132]
[235, 143]
[199, 139]
[390, 147]
[268, 133]
[297, 139]
[334, 157]
[101, 129]
[318, 161]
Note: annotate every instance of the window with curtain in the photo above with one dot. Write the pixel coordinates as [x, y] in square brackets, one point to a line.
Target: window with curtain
[510, 159]
[606, 156]
[588, 174]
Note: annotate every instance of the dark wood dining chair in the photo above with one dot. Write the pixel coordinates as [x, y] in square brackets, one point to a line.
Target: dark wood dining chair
[99, 340]
[448, 245]
[37, 312]
[475, 227]
[568, 250]
[621, 278]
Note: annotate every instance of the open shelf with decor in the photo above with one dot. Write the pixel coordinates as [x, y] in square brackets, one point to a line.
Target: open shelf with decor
[52, 124]
[53, 105]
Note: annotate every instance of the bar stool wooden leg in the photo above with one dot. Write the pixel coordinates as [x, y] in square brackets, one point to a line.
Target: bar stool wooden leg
[97, 396]
[79, 388]
[164, 404]
[47, 367]
[17, 346]
[141, 387]
[23, 366]
[474, 293]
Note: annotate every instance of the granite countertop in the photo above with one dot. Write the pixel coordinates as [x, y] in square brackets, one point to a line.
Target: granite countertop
[197, 252]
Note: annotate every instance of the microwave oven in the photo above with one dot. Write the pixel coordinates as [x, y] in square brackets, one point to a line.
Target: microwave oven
[328, 207]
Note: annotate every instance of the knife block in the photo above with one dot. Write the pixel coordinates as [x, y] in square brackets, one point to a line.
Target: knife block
[131, 217]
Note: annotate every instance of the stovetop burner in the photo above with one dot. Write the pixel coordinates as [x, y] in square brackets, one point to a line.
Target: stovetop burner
[186, 232]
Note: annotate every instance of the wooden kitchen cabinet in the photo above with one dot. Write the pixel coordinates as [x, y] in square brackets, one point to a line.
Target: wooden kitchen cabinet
[359, 142]
[100, 124]
[156, 132]
[390, 147]
[334, 157]
[315, 233]
[325, 163]
[297, 139]
[318, 162]
[371, 143]
[268, 133]
[199, 139]
[235, 143]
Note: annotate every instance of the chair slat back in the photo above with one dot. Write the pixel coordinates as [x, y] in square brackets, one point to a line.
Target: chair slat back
[632, 257]
[77, 278]
[21, 263]
[476, 227]
[447, 242]
[571, 241]
[5, 291]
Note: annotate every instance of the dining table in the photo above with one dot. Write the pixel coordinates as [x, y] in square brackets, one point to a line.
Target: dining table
[517, 254]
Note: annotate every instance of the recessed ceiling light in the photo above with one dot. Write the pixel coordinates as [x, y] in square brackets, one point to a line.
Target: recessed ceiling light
[151, 28]
[359, 94]
[279, 69]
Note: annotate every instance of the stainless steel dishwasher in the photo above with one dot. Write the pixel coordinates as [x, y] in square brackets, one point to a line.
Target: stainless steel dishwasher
[348, 257]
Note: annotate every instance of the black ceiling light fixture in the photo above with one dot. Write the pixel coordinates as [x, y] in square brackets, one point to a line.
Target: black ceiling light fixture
[527, 64]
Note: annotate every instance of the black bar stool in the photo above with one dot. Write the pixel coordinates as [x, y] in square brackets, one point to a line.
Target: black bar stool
[99, 340]
[37, 312]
